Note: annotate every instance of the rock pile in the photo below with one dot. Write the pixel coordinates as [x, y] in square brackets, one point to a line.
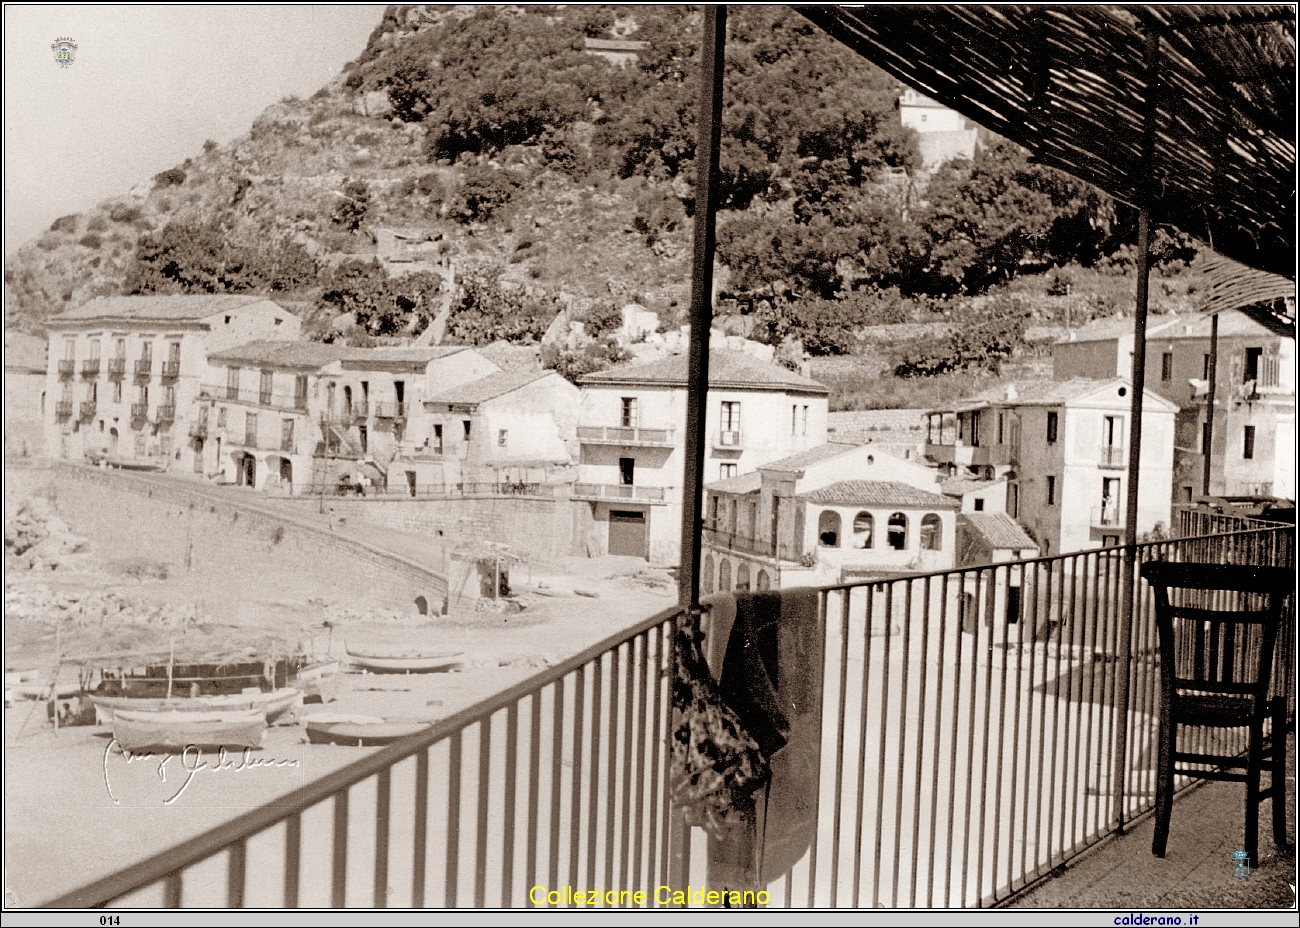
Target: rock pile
[104, 609]
[38, 538]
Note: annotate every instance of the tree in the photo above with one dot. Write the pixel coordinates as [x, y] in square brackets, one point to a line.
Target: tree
[202, 258]
[487, 312]
[351, 211]
[381, 305]
[482, 192]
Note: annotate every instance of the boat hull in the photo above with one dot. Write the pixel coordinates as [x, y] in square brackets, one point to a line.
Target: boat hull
[430, 663]
[355, 734]
[171, 730]
[273, 704]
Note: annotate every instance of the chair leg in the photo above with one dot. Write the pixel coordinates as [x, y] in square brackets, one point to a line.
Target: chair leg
[1164, 788]
[1254, 768]
[1278, 787]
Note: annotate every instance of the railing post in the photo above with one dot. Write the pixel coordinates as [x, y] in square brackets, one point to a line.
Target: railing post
[1212, 376]
[1128, 575]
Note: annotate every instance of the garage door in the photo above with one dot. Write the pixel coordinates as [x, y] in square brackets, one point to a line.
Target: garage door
[627, 534]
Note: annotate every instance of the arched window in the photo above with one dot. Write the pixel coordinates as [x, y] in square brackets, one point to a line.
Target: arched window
[724, 575]
[898, 532]
[763, 583]
[742, 576]
[864, 527]
[931, 533]
[706, 580]
[828, 529]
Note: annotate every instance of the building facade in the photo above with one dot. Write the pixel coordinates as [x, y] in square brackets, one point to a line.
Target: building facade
[632, 446]
[25, 383]
[125, 372]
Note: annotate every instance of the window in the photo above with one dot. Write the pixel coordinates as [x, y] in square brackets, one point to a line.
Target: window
[805, 421]
[117, 391]
[1248, 442]
[628, 417]
[1051, 428]
[1001, 425]
[250, 429]
[1250, 370]
[979, 505]
[146, 354]
[1051, 490]
[742, 576]
[931, 532]
[731, 417]
[828, 529]
[763, 582]
[726, 470]
[169, 396]
[713, 508]
[300, 391]
[466, 424]
[975, 429]
[1013, 500]
[626, 470]
[724, 575]
[174, 353]
[221, 417]
[286, 435]
[232, 383]
[69, 349]
[1187, 494]
[863, 529]
[897, 533]
[794, 420]
[501, 438]
[437, 438]
[1112, 431]
[706, 569]
[144, 395]
[93, 393]
[264, 388]
[1167, 367]
[94, 349]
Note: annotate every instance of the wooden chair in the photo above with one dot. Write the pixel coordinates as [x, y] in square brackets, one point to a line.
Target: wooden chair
[1217, 636]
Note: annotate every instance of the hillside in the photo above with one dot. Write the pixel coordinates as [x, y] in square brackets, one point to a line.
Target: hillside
[538, 173]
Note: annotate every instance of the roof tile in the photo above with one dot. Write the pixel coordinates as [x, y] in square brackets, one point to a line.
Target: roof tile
[878, 492]
[726, 369]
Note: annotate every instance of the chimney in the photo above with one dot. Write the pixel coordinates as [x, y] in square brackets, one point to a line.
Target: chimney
[1012, 396]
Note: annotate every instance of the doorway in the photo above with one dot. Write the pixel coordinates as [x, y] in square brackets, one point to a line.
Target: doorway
[248, 471]
[627, 534]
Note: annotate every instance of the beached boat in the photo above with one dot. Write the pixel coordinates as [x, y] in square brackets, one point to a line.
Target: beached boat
[410, 662]
[360, 731]
[318, 670]
[170, 729]
[274, 704]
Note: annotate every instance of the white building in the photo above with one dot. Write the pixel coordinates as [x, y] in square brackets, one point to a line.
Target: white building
[630, 432]
[1062, 447]
[25, 370]
[123, 371]
[941, 134]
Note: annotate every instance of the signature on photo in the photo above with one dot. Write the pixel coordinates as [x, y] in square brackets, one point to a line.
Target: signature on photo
[192, 763]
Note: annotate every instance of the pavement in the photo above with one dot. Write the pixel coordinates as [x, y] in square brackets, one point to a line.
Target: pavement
[1197, 871]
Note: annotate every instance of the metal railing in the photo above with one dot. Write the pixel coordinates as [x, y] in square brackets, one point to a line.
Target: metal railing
[734, 541]
[617, 491]
[430, 491]
[63, 409]
[171, 370]
[979, 728]
[728, 438]
[90, 368]
[1112, 516]
[88, 409]
[1112, 456]
[232, 394]
[1190, 521]
[139, 411]
[624, 435]
[144, 368]
[166, 412]
[390, 410]
[117, 367]
[67, 369]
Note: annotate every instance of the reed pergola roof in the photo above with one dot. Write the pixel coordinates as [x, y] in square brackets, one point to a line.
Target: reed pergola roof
[1070, 83]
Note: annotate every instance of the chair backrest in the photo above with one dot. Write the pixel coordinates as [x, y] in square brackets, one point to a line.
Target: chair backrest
[1218, 625]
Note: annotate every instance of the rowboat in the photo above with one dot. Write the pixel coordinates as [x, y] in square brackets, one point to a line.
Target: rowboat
[360, 731]
[273, 704]
[171, 729]
[318, 670]
[411, 662]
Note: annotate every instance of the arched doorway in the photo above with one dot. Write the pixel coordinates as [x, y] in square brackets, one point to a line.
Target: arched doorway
[706, 581]
[198, 455]
[112, 441]
[245, 469]
[762, 582]
[724, 576]
[742, 576]
[286, 473]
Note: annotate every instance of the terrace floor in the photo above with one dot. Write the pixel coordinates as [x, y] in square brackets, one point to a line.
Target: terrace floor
[1197, 872]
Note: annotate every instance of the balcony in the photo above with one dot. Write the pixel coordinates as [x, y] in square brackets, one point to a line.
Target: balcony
[88, 410]
[625, 436]
[231, 394]
[734, 541]
[117, 368]
[1112, 458]
[63, 409]
[359, 412]
[960, 453]
[67, 369]
[388, 410]
[264, 398]
[171, 370]
[139, 412]
[1108, 516]
[250, 439]
[90, 368]
[167, 412]
[617, 491]
[728, 439]
[144, 369]
[199, 429]
[1001, 780]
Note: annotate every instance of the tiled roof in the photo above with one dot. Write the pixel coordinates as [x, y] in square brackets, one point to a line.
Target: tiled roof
[1032, 393]
[174, 308]
[878, 492]
[486, 388]
[355, 356]
[24, 352]
[1184, 325]
[958, 486]
[801, 459]
[295, 354]
[998, 529]
[745, 483]
[727, 369]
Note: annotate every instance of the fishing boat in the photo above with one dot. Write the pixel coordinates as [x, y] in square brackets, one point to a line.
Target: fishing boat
[409, 662]
[171, 729]
[317, 670]
[359, 730]
[273, 704]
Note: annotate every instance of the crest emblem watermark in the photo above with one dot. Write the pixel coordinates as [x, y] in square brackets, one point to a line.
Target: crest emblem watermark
[1242, 860]
[65, 51]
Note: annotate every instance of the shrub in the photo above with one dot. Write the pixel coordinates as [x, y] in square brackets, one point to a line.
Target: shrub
[209, 146]
[483, 192]
[124, 213]
[351, 212]
[173, 177]
[90, 240]
[97, 223]
[64, 224]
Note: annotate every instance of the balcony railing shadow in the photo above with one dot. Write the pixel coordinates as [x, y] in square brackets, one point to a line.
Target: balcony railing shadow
[979, 728]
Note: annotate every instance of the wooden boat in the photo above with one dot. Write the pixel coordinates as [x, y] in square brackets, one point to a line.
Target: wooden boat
[411, 662]
[170, 729]
[273, 704]
[318, 670]
[360, 731]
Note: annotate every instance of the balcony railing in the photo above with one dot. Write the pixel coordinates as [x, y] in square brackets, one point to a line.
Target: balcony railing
[1108, 516]
[979, 729]
[171, 370]
[63, 409]
[199, 429]
[1112, 456]
[360, 410]
[250, 439]
[88, 410]
[90, 368]
[232, 394]
[67, 369]
[144, 369]
[166, 412]
[264, 398]
[389, 410]
[728, 438]
[597, 491]
[624, 435]
[287, 445]
[735, 541]
[117, 368]
[139, 412]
